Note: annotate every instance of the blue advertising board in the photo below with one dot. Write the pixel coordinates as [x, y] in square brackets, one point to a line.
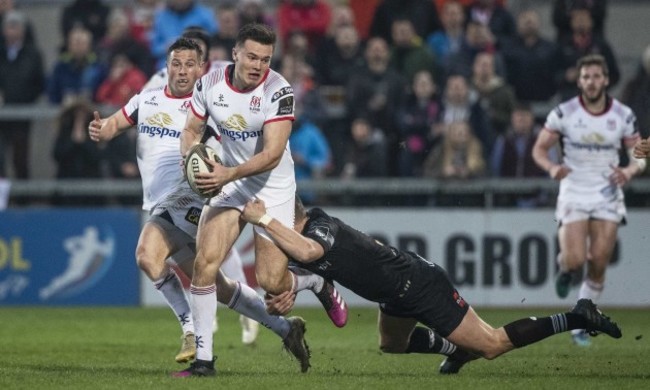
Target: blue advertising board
[69, 257]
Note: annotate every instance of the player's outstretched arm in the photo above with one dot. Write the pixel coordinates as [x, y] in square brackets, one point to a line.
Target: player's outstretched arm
[294, 244]
[106, 129]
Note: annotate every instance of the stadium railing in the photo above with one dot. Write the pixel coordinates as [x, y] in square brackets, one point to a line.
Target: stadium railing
[360, 192]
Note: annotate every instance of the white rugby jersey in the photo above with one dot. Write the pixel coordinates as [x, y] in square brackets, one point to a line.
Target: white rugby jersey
[160, 118]
[590, 147]
[240, 117]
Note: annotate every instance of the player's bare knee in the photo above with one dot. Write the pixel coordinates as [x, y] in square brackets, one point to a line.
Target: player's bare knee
[147, 263]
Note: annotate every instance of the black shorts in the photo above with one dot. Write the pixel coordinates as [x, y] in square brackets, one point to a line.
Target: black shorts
[432, 300]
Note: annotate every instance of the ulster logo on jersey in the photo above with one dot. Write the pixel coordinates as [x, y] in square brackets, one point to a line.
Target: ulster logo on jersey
[611, 124]
[256, 102]
[185, 107]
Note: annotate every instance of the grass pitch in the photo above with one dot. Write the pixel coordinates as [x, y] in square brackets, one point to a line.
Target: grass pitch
[134, 348]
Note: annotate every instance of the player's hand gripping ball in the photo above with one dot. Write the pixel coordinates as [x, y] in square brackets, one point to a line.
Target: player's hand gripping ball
[195, 162]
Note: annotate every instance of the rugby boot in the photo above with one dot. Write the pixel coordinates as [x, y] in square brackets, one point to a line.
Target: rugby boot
[597, 322]
[188, 348]
[295, 342]
[334, 304]
[198, 368]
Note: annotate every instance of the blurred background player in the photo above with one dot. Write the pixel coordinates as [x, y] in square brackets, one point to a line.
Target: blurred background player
[590, 205]
[175, 209]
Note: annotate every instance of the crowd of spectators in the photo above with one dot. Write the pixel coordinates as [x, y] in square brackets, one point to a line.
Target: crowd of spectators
[448, 89]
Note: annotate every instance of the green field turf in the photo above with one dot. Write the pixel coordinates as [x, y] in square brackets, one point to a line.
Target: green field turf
[134, 348]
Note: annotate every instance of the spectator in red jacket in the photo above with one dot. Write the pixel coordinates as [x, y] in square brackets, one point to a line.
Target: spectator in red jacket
[312, 17]
[123, 82]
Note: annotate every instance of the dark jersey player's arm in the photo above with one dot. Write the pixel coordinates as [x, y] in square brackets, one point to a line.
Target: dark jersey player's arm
[295, 245]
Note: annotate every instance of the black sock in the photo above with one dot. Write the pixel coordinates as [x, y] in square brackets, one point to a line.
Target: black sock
[425, 340]
[531, 330]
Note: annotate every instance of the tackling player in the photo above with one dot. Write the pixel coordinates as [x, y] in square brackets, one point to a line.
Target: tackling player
[409, 289]
[590, 205]
[159, 115]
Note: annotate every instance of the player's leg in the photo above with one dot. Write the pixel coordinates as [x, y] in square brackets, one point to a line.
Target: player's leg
[234, 269]
[218, 230]
[448, 313]
[573, 253]
[155, 244]
[395, 333]
[274, 276]
[244, 300]
[477, 336]
[602, 239]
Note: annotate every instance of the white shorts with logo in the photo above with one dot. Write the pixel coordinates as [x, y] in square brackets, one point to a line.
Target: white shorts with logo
[613, 210]
[283, 212]
[178, 215]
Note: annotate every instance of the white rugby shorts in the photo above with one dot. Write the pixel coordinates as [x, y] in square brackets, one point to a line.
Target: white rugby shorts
[283, 212]
[567, 212]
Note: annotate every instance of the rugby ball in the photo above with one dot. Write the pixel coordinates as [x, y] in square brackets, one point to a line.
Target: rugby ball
[195, 162]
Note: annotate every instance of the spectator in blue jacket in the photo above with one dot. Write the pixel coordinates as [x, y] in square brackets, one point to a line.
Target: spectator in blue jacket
[310, 152]
[170, 21]
[77, 73]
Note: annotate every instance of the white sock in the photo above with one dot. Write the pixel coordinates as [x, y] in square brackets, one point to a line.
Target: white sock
[233, 267]
[204, 309]
[589, 290]
[303, 280]
[247, 302]
[172, 290]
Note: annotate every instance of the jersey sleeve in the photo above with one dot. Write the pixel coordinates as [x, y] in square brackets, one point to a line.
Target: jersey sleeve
[322, 229]
[198, 103]
[281, 105]
[630, 129]
[130, 110]
[554, 120]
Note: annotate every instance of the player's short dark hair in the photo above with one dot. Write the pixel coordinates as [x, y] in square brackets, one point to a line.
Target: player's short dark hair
[593, 59]
[257, 32]
[185, 44]
[198, 33]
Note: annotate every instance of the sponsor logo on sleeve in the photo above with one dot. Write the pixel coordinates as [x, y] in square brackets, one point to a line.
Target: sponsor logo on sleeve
[285, 106]
[282, 92]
